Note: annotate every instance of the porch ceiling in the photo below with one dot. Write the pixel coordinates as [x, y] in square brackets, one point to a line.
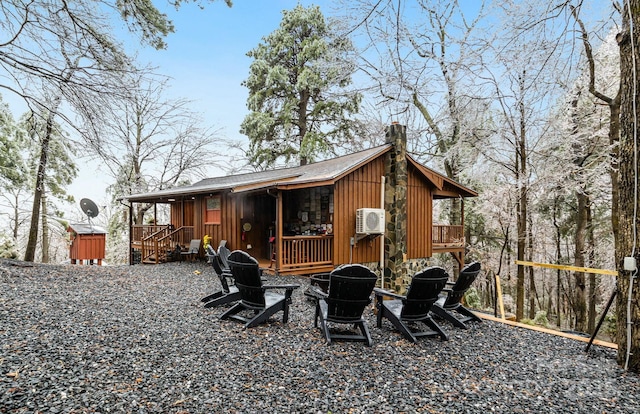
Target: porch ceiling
[445, 187]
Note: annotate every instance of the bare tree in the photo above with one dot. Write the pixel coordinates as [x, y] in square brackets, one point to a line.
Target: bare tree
[28, 29]
[153, 142]
[612, 101]
[53, 51]
[523, 74]
[422, 57]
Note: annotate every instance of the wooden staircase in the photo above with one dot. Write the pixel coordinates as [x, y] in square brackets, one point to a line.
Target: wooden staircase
[157, 246]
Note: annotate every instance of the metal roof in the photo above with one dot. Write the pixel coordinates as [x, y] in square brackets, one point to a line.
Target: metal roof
[318, 173]
[304, 175]
[87, 228]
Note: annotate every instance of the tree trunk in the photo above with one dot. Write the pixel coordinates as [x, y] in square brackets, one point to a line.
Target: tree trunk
[558, 260]
[628, 298]
[302, 124]
[16, 218]
[45, 227]
[532, 294]
[521, 178]
[30, 251]
[41, 174]
[533, 290]
[593, 280]
[522, 227]
[580, 287]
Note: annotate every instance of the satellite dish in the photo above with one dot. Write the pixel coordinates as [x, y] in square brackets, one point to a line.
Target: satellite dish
[89, 207]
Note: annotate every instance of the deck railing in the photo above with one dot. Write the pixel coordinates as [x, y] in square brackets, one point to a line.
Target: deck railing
[181, 235]
[297, 251]
[306, 251]
[447, 235]
[139, 232]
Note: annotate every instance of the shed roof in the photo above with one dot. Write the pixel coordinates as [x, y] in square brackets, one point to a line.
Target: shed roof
[86, 228]
[311, 175]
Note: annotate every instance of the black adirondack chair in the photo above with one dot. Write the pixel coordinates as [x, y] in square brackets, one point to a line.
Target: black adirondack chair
[350, 288]
[224, 252]
[229, 292]
[255, 298]
[449, 306]
[411, 313]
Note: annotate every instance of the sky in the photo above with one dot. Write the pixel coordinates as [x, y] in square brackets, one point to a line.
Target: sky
[206, 61]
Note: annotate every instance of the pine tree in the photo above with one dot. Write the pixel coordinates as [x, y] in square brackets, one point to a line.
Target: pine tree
[297, 97]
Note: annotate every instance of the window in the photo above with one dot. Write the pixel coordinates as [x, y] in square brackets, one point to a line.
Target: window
[213, 210]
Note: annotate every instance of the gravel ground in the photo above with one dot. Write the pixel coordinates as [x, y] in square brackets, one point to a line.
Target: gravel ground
[77, 339]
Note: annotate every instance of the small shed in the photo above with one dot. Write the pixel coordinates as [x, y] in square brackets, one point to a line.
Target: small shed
[86, 242]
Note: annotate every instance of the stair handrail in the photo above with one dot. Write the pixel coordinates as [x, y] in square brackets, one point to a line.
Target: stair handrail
[150, 244]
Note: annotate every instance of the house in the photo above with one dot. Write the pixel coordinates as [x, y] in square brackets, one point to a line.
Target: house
[302, 220]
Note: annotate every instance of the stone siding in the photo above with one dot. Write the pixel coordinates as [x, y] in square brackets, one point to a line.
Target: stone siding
[395, 271]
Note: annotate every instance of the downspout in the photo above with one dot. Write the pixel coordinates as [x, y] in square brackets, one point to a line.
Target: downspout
[272, 195]
[382, 184]
[279, 213]
[464, 238]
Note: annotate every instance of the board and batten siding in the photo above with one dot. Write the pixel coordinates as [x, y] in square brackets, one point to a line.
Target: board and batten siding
[359, 189]
[419, 216]
[194, 215]
[88, 247]
[182, 213]
[229, 227]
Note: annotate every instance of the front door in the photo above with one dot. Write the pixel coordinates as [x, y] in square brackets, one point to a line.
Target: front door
[258, 218]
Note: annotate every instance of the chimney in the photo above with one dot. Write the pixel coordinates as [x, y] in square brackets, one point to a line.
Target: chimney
[395, 271]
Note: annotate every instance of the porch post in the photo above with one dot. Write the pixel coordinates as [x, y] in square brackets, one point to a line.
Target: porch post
[131, 234]
[395, 271]
[464, 236]
[278, 244]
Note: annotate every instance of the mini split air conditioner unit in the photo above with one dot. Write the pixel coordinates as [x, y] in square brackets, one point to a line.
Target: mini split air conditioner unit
[370, 221]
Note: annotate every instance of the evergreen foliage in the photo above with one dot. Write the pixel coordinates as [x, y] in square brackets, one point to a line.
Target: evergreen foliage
[297, 91]
[7, 247]
[12, 170]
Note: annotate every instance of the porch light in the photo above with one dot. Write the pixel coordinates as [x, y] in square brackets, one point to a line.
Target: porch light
[171, 199]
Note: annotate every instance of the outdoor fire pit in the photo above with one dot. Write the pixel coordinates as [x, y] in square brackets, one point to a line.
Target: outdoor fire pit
[321, 280]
